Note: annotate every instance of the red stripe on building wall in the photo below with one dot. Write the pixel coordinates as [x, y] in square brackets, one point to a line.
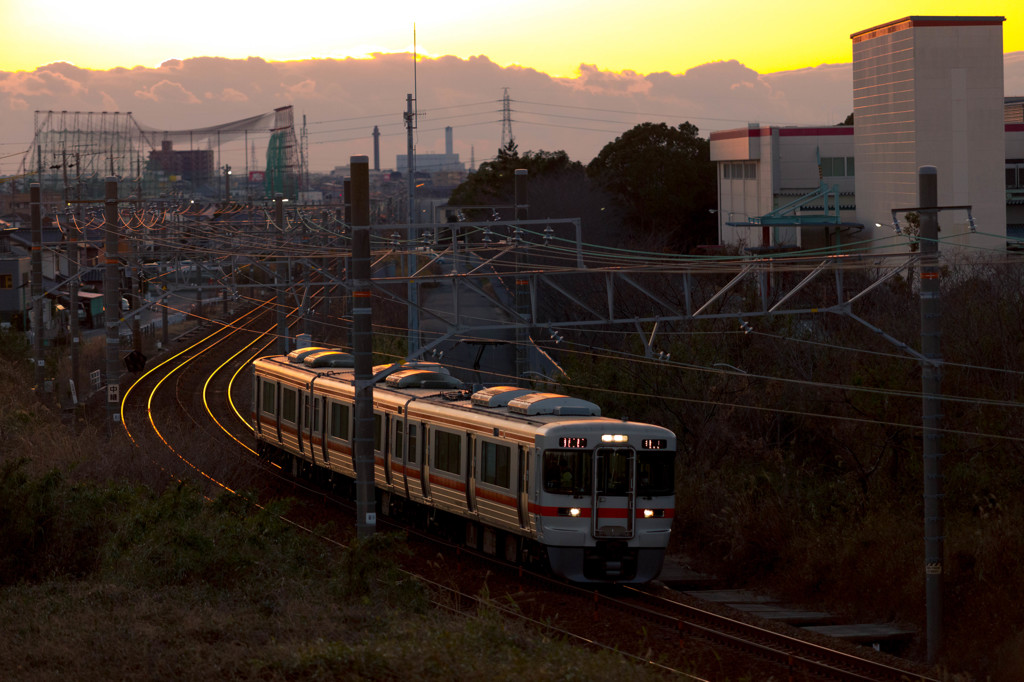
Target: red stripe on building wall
[783, 132]
[815, 132]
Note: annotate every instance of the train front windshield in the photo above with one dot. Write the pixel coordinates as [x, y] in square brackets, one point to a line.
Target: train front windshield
[571, 472]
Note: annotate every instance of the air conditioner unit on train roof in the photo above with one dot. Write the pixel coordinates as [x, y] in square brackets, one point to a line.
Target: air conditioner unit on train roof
[553, 403]
[299, 354]
[329, 358]
[422, 378]
[497, 396]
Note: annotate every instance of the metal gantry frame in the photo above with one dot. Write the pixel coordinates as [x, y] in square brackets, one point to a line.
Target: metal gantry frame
[579, 296]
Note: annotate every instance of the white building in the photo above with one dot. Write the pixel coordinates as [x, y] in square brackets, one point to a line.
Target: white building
[762, 171]
[927, 91]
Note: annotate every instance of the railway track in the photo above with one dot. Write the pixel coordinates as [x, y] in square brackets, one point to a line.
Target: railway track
[188, 415]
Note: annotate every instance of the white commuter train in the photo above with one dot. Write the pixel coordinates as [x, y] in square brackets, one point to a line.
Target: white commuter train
[517, 473]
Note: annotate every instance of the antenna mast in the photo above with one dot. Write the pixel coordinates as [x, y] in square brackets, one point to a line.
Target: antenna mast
[411, 116]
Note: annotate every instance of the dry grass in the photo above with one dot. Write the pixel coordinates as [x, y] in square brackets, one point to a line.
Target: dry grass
[108, 570]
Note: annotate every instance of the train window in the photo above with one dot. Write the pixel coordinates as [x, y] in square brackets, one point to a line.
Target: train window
[656, 473]
[567, 472]
[305, 411]
[613, 476]
[378, 421]
[339, 420]
[413, 451]
[398, 447]
[448, 452]
[269, 397]
[288, 404]
[494, 464]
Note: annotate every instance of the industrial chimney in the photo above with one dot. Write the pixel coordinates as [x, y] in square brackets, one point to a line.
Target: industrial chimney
[376, 148]
[448, 140]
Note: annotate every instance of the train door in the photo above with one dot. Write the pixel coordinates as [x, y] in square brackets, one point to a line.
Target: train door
[522, 492]
[412, 451]
[322, 426]
[257, 402]
[614, 493]
[278, 406]
[471, 444]
[302, 420]
[425, 462]
[398, 453]
[385, 445]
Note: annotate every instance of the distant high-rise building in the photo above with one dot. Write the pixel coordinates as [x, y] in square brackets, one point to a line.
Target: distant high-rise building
[928, 90]
[195, 166]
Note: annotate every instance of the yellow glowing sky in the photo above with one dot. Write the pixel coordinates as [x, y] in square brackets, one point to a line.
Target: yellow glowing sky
[553, 36]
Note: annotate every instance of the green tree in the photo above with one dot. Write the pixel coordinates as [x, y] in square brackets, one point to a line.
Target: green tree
[665, 181]
[494, 181]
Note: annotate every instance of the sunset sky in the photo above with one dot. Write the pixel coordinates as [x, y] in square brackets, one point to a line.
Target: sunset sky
[553, 36]
[578, 73]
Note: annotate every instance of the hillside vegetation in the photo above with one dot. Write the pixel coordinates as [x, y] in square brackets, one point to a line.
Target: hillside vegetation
[110, 570]
[799, 471]
[800, 452]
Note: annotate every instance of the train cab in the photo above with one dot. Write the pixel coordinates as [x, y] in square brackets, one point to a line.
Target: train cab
[606, 500]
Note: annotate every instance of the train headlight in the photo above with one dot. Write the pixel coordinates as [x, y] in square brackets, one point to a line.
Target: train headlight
[569, 511]
[614, 438]
[654, 513]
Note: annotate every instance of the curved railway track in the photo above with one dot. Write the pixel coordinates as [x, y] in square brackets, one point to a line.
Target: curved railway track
[188, 416]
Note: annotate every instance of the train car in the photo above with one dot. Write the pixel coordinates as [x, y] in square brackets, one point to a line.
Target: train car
[516, 473]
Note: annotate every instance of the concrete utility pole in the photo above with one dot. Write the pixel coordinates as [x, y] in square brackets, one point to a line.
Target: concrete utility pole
[412, 317]
[36, 291]
[282, 276]
[362, 349]
[136, 281]
[73, 302]
[410, 155]
[522, 292]
[112, 302]
[931, 405]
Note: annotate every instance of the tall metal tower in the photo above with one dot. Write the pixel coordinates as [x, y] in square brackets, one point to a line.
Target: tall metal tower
[506, 120]
[303, 157]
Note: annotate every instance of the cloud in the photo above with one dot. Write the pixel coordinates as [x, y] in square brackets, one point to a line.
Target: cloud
[167, 92]
[344, 99]
[593, 80]
[109, 103]
[304, 89]
[231, 95]
[47, 82]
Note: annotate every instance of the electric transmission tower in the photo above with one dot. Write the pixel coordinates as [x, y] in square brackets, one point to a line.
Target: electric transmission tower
[506, 121]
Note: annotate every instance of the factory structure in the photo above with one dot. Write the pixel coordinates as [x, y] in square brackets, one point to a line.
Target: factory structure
[927, 90]
[73, 152]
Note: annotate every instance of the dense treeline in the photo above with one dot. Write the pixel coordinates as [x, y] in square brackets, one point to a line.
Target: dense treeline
[653, 187]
